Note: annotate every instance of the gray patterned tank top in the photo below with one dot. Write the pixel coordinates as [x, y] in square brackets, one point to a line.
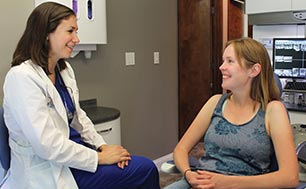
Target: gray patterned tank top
[244, 149]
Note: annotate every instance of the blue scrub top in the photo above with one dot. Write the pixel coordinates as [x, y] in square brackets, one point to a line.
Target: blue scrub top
[68, 103]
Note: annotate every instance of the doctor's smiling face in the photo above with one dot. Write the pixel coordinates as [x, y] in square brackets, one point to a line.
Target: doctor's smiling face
[63, 39]
[49, 37]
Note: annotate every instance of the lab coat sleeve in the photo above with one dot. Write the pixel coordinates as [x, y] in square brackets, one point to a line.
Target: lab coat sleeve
[86, 128]
[26, 96]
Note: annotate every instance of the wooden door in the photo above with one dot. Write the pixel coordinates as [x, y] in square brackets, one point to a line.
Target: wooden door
[235, 19]
[200, 53]
[200, 27]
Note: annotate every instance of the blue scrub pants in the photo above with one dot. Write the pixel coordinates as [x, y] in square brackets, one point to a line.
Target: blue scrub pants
[141, 173]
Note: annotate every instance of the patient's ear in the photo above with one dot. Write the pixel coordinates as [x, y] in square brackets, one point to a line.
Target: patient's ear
[255, 70]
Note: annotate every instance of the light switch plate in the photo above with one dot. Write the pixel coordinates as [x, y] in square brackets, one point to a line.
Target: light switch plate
[129, 58]
[156, 57]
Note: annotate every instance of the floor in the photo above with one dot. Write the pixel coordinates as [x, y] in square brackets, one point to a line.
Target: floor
[166, 178]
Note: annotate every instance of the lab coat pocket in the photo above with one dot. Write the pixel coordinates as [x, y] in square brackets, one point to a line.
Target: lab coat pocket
[41, 176]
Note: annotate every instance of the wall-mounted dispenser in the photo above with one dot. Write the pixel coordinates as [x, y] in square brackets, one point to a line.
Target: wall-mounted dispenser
[91, 16]
[89, 10]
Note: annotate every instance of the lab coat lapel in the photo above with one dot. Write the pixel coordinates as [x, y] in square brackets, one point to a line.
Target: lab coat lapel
[57, 101]
[52, 94]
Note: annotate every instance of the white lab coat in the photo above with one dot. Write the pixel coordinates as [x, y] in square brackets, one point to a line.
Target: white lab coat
[39, 134]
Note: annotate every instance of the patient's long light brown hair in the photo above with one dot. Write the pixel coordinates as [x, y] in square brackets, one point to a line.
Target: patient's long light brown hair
[249, 52]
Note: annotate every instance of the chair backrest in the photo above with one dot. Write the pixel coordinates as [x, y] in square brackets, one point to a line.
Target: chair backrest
[5, 152]
[278, 83]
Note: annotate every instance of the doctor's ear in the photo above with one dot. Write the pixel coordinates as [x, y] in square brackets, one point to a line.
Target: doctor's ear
[255, 70]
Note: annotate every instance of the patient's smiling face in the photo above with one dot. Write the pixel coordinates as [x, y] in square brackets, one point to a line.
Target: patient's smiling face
[234, 74]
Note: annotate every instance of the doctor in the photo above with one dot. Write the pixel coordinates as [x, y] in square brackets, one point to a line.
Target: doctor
[53, 143]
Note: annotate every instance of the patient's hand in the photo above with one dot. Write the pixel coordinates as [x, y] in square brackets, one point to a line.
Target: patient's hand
[206, 179]
[199, 180]
[111, 154]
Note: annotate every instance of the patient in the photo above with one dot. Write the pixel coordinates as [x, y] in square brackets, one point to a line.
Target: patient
[242, 128]
[53, 142]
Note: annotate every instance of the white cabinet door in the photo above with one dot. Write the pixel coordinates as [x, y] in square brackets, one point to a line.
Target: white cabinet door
[110, 131]
[266, 6]
[298, 5]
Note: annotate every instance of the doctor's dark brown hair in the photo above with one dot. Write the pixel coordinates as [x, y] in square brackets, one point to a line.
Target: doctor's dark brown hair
[249, 52]
[34, 44]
